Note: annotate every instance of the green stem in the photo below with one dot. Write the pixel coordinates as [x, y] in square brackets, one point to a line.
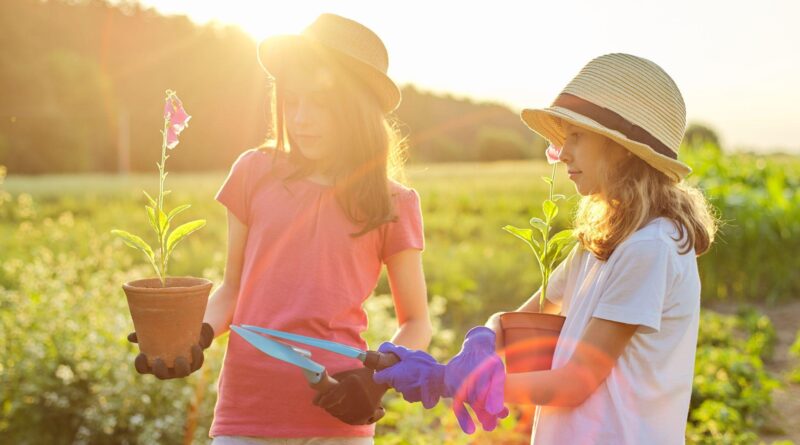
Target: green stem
[162, 178]
[545, 245]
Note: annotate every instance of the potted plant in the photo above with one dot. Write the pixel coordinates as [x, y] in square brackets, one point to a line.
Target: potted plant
[530, 337]
[167, 312]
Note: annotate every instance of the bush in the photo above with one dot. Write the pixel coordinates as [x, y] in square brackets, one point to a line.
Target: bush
[731, 392]
[753, 257]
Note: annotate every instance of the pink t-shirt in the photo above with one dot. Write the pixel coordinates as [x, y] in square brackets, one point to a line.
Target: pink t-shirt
[302, 273]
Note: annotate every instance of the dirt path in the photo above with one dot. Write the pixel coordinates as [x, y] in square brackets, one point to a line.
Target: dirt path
[786, 400]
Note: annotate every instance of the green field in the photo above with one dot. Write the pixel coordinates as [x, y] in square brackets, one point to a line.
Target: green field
[66, 373]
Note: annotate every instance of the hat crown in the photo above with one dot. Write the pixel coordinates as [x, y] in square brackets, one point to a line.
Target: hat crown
[351, 38]
[636, 89]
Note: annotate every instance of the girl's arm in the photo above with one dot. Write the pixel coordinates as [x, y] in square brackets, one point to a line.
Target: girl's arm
[407, 282]
[594, 357]
[222, 304]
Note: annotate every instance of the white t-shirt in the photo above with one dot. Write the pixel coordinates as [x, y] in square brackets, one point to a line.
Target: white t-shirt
[645, 282]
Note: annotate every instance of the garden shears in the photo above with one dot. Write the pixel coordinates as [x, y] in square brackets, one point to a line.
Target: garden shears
[315, 373]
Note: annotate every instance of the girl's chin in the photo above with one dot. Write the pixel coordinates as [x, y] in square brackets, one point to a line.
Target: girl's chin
[311, 154]
[580, 190]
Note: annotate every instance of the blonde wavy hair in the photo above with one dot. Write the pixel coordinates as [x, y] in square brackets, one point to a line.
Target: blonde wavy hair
[635, 193]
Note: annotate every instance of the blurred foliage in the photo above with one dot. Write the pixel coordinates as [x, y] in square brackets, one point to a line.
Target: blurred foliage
[794, 351]
[759, 205]
[66, 373]
[497, 144]
[78, 75]
[443, 128]
[699, 135]
[79, 78]
[732, 392]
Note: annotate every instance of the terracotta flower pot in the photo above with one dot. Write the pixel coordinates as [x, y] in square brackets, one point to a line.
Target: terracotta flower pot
[167, 319]
[530, 340]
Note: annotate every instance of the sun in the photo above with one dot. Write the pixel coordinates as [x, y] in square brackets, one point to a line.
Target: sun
[261, 20]
[257, 19]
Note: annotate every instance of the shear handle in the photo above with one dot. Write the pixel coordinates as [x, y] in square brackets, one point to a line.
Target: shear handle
[380, 360]
[325, 383]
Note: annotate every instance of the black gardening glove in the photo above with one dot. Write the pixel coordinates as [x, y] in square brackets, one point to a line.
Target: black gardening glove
[182, 368]
[356, 399]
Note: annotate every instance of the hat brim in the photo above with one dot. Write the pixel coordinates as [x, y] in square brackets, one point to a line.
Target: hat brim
[276, 54]
[547, 123]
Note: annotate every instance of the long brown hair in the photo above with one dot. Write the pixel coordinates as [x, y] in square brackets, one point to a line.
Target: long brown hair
[634, 194]
[369, 148]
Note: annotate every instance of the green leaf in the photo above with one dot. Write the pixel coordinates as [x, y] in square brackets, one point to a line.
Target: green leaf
[135, 242]
[539, 224]
[151, 216]
[547, 179]
[177, 210]
[560, 251]
[182, 232]
[553, 253]
[163, 221]
[150, 199]
[561, 238]
[558, 197]
[550, 209]
[525, 235]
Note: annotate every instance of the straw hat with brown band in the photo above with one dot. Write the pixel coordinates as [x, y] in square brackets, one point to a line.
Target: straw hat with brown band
[354, 45]
[626, 98]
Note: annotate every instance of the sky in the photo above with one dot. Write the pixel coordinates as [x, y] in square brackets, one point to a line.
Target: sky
[737, 63]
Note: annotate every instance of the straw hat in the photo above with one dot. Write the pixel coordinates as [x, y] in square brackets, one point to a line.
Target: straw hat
[354, 45]
[628, 99]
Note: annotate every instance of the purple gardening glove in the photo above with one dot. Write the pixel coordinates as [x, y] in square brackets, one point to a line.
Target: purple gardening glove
[418, 377]
[476, 376]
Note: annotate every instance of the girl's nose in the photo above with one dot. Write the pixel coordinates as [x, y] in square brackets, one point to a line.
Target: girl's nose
[302, 113]
[565, 155]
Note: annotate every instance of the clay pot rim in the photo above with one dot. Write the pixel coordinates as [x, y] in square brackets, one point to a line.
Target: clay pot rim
[136, 285]
[527, 313]
[522, 320]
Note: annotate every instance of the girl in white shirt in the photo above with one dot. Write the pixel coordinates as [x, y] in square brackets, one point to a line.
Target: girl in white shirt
[630, 290]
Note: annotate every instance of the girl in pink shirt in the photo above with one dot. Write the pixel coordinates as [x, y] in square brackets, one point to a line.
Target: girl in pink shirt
[312, 218]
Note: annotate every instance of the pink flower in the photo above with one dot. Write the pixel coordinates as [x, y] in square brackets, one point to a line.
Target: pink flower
[177, 117]
[553, 153]
[172, 138]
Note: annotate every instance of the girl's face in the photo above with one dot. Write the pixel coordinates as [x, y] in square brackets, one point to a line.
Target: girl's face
[589, 158]
[309, 119]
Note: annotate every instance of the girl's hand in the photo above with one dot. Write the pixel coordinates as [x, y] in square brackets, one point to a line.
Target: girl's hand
[418, 376]
[476, 376]
[182, 367]
[356, 399]
[493, 323]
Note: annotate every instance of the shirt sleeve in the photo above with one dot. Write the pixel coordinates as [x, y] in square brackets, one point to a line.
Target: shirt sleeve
[233, 192]
[638, 285]
[406, 232]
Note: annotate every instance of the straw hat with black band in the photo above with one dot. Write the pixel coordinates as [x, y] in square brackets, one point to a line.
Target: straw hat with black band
[356, 47]
[626, 98]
